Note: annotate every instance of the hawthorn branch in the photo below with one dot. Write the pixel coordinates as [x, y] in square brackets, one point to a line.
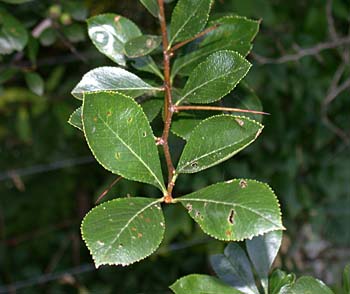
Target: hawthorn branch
[217, 108]
[201, 34]
[168, 103]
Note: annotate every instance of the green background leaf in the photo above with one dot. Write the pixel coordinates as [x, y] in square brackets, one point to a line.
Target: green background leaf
[114, 79]
[309, 285]
[35, 82]
[120, 137]
[124, 230]
[215, 77]
[234, 210]
[201, 284]
[152, 6]
[233, 267]
[189, 18]
[109, 32]
[215, 140]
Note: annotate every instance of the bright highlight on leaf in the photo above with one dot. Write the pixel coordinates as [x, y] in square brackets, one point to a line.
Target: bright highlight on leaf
[234, 210]
[120, 137]
[228, 135]
[108, 78]
[109, 32]
[124, 230]
[215, 77]
[189, 18]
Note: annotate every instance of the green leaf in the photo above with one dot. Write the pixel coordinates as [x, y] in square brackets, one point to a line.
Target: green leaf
[201, 284]
[113, 79]
[152, 107]
[234, 33]
[13, 34]
[152, 6]
[35, 83]
[189, 18]
[346, 279]
[147, 64]
[262, 251]
[280, 282]
[16, 1]
[233, 268]
[48, 37]
[215, 77]
[234, 210]
[124, 230]
[121, 138]
[228, 135]
[309, 285]
[74, 32]
[7, 74]
[109, 32]
[76, 120]
[142, 45]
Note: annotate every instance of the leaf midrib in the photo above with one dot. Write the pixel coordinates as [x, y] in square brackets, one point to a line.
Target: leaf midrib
[133, 152]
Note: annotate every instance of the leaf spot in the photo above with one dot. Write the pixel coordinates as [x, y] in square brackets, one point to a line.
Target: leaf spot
[117, 18]
[197, 214]
[189, 207]
[129, 120]
[117, 155]
[144, 134]
[194, 164]
[95, 119]
[100, 243]
[240, 122]
[231, 217]
[120, 245]
[149, 43]
[139, 235]
[162, 224]
[243, 184]
[228, 233]
[147, 220]
[109, 113]
[134, 229]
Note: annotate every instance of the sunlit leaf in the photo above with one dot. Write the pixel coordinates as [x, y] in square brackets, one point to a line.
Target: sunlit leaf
[114, 79]
[109, 33]
[124, 230]
[201, 284]
[120, 137]
[189, 18]
[215, 140]
[234, 210]
[215, 77]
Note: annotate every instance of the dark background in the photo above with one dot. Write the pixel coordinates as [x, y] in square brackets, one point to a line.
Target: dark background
[48, 180]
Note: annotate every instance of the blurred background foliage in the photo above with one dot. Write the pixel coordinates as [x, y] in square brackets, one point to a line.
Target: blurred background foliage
[48, 179]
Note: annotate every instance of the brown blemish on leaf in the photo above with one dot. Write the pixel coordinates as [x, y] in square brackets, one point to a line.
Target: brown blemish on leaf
[240, 122]
[139, 235]
[117, 18]
[134, 229]
[109, 113]
[243, 184]
[189, 207]
[147, 220]
[129, 120]
[231, 217]
[197, 214]
[117, 155]
[228, 233]
[95, 119]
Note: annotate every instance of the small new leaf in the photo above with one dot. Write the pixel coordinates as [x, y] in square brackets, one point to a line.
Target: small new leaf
[76, 120]
[189, 18]
[228, 135]
[142, 45]
[234, 210]
[201, 284]
[109, 33]
[109, 78]
[124, 230]
[120, 137]
[215, 77]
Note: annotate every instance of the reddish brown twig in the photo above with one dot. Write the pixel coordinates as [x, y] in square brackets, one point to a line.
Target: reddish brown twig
[168, 104]
[104, 193]
[201, 34]
[217, 108]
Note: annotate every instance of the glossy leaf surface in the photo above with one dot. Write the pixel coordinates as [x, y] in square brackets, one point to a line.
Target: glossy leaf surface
[124, 230]
[142, 45]
[309, 285]
[76, 120]
[112, 79]
[262, 251]
[189, 18]
[233, 268]
[152, 107]
[147, 64]
[234, 210]
[215, 77]
[109, 32]
[152, 6]
[13, 34]
[280, 282]
[120, 137]
[234, 33]
[215, 140]
[201, 284]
